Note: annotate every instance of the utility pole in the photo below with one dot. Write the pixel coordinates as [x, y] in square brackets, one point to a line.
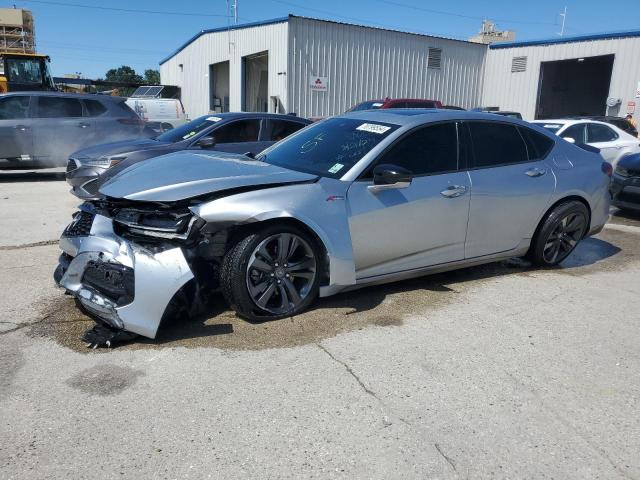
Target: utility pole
[564, 18]
[235, 12]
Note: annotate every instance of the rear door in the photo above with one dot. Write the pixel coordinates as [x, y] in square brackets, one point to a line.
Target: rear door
[16, 135]
[60, 128]
[238, 136]
[510, 188]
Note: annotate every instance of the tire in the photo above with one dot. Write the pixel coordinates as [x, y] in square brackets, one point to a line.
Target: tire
[558, 233]
[262, 284]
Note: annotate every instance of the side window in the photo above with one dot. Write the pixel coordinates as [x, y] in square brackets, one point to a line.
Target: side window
[600, 133]
[240, 131]
[421, 105]
[279, 129]
[496, 144]
[538, 145]
[94, 108]
[14, 108]
[58, 107]
[398, 105]
[430, 150]
[577, 132]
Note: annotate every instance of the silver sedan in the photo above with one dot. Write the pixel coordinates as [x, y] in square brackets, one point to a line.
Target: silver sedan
[363, 198]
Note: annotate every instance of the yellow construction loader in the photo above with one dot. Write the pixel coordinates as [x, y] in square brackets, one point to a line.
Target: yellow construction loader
[24, 71]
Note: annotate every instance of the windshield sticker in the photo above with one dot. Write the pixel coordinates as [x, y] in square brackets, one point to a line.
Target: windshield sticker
[336, 168]
[377, 104]
[214, 119]
[189, 135]
[551, 125]
[373, 128]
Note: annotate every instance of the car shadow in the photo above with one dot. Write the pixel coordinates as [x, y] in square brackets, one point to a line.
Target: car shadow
[8, 176]
[624, 216]
[368, 299]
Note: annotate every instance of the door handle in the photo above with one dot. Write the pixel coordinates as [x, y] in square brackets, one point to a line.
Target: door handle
[83, 125]
[535, 172]
[453, 191]
[22, 128]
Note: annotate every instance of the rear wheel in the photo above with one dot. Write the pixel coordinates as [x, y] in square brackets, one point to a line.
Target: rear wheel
[272, 274]
[559, 233]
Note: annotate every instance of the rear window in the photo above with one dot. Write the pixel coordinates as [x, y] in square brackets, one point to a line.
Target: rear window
[94, 108]
[538, 145]
[496, 144]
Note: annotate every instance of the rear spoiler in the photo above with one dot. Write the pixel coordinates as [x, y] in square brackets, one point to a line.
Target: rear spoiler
[588, 148]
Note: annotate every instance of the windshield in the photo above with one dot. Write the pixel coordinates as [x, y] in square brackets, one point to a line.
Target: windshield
[24, 70]
[552, 127]
[189, 130]
[329, 148]
[372, 105]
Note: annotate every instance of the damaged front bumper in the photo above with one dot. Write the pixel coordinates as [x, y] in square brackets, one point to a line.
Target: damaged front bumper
[124, 284]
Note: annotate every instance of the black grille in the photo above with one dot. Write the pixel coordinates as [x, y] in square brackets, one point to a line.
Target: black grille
[80, 226]
[116, 282]
[91, 187]
[71, 165]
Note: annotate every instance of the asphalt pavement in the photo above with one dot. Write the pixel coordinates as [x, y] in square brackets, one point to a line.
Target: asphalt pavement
[499, 371]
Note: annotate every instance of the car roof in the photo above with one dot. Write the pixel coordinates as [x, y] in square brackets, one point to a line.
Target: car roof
[82, 96]
[416, 116]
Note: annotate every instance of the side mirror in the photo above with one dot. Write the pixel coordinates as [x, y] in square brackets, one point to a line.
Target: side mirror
[388, 177]
[206, 142]
[570, 139]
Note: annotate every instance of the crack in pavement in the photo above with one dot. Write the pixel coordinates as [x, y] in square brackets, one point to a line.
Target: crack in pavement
[350, 371]
[28, 245]
[603, 453]
[449, 460]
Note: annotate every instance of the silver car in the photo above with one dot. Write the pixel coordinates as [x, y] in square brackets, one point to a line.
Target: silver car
[363, 198]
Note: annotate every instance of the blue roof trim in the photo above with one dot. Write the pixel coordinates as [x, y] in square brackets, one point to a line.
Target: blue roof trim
[223, 29]
[575, 38]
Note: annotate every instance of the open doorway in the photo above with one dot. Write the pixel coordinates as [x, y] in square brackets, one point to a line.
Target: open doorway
[255, 95]
[219, 87]
[575, 87]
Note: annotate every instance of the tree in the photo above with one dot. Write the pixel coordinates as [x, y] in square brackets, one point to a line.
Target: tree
[123, 74]
[152, 77]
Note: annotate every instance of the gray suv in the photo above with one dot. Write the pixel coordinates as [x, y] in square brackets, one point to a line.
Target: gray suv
[41, 129]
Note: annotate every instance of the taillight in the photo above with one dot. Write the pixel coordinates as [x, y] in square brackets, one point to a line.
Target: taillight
[131, 121]
[607, 169]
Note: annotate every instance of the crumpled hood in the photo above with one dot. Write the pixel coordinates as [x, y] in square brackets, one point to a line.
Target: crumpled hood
[116, 148]
[182, 175]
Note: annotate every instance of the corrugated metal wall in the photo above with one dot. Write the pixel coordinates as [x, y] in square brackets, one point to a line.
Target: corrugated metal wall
[231, 45]
[366, 63]
[518, 91]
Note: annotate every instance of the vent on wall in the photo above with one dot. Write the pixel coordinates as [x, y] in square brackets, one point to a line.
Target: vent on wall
[435, 58]
[519, 64]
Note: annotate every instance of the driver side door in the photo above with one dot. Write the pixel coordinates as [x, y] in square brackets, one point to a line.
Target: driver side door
[423, 224]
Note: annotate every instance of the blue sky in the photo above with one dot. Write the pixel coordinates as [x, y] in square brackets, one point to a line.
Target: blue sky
[92, 40]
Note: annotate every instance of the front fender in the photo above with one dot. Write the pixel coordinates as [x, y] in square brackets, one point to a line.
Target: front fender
[321, 206]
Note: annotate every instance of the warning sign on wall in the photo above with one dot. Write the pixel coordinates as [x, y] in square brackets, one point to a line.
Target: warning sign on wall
[631, 107]
[638, 91]
[319, 84]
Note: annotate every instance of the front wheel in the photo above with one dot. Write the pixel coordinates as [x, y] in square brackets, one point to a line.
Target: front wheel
[559, 233]
[272, 274]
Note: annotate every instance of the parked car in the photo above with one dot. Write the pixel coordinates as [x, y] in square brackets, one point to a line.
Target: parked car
[396, 103]
[619, 122]
[159, 113]
[625, 184]
[224, 132]
[354, 200]
[613, 143]
[496, 111]
[44, 128]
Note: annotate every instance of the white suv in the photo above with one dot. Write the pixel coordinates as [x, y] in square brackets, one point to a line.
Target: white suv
[613, 142]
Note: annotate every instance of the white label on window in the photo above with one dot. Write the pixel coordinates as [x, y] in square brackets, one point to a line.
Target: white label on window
[377, 104]
[189, 135]
[373, 128]
[214, 119]
[336, 168]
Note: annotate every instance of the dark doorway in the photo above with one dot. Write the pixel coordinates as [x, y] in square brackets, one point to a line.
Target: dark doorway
[575, 87]
[219, 87]
[256, 82]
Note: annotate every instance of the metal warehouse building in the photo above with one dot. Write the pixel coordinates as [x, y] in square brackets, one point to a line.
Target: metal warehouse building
[582, 75]
[319, 68]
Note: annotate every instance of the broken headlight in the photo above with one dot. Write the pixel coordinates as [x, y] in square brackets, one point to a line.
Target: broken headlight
[158, 224]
